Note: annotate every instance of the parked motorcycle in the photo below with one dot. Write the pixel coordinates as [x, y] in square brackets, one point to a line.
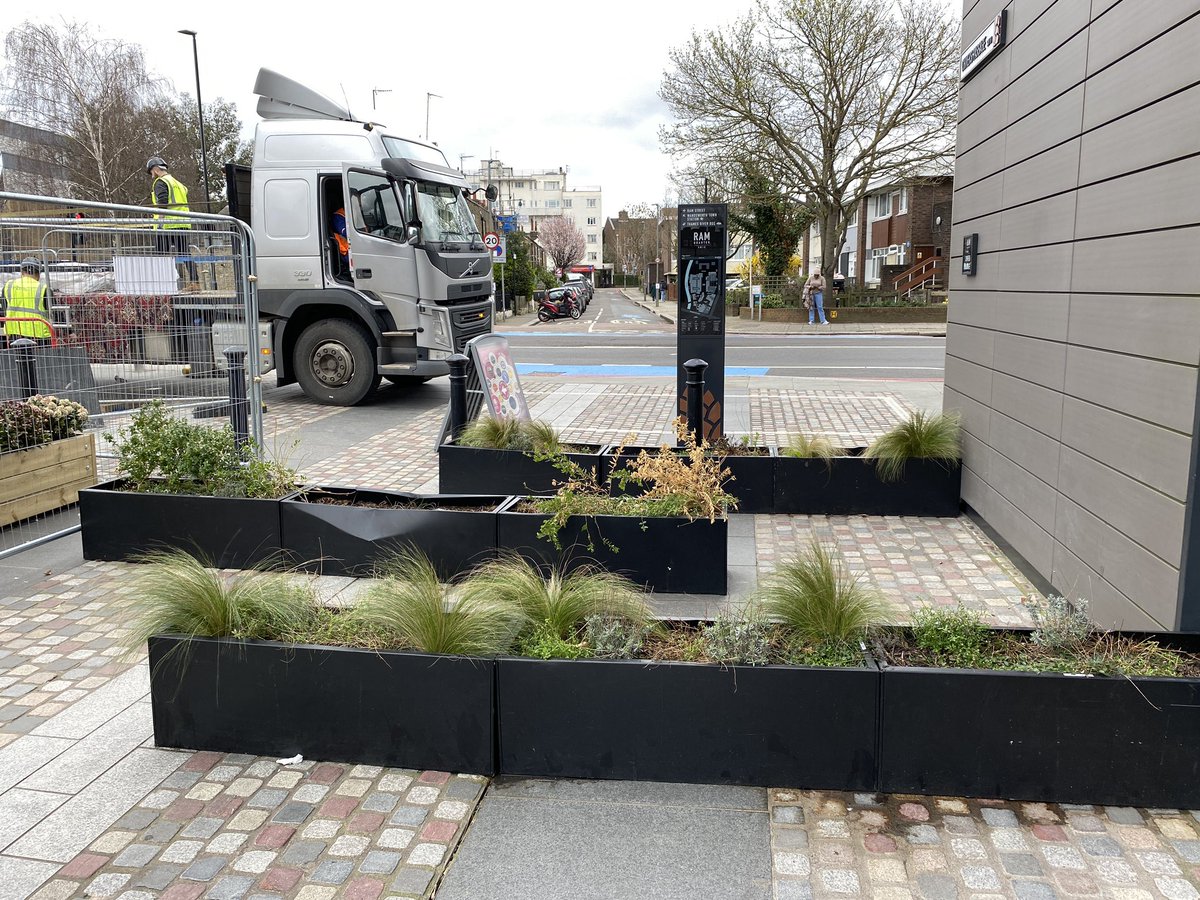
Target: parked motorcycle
[558, 304]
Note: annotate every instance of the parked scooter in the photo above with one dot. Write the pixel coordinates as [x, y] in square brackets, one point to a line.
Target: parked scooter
[558, 304]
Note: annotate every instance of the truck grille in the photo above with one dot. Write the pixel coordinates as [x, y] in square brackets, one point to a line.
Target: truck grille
[467, 325]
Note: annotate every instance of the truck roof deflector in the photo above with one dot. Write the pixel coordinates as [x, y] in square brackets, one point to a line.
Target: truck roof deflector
[281, 97]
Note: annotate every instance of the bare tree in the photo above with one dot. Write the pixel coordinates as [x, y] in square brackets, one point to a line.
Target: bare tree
[822, 98]
[563, 241]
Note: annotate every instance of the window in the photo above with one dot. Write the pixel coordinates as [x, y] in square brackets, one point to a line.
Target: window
[591, 238]
[591, 220]
[904, 200]
[549, 185]
[591, 257]
[375, 207]
[567, 204]
[877, 256]
[591, 202]
[444, 214]
[852, 219]
[552, 204]
[518, 184]
[881, 206]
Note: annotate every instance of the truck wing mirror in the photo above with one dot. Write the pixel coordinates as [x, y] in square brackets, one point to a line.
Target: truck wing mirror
[492, 192]
[414, 232]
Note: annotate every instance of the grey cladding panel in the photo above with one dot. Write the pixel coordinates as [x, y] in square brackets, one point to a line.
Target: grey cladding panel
[1120, 264]
[1045, 268]
[1033, 314]
[1152, 455]
[1059, 72]
[976, 416]
[1108, 607]
[1052, 172]
[1141, 201]
[968, 307]
[972, 344]
[1029, 449]
[970, 379]
[1044, 222]
[1157, 327]
[1038, 407]
[1129, 24]
[1025, 535]
[1051, 24]
[1160, 392]
[1147, 517]
[980, 161]
[1028, 493]
[1056, 122]
[1167, 130]
[977, 456]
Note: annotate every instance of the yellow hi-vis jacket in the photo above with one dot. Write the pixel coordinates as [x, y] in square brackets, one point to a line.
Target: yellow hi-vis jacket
[177, 198]
[24, 299]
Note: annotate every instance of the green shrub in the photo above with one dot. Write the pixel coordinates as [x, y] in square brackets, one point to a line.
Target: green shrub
[414, 608]
[160, 453]
[819, 601]
[545, 643]
[738, 638]
[923, 436]
[615, 637]
[1058, 624]
[952, 637]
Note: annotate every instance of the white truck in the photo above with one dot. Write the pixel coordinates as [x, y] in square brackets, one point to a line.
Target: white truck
[416, 284]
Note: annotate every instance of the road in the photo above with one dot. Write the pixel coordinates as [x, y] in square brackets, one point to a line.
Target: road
[615, 337]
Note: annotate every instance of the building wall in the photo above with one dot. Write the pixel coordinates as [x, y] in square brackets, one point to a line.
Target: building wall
[1073, 353]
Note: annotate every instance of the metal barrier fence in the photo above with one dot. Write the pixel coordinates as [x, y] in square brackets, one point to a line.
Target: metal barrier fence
[138, 312]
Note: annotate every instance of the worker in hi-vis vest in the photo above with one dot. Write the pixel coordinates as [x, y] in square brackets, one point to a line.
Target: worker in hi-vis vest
[168, 192]
[27, 305]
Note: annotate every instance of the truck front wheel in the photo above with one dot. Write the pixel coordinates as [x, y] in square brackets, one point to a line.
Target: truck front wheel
[335, 362]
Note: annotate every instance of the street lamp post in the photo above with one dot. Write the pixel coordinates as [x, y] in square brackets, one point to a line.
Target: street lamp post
[461, 157]
[375, 91]
[200, 109]
[429, 96]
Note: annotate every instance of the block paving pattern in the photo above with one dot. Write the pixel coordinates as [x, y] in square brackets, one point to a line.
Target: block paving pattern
[913, 562]
[227, 826]
[847, 418]
[921, 848]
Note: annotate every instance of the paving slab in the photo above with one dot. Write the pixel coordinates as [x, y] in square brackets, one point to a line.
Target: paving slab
[543, 840]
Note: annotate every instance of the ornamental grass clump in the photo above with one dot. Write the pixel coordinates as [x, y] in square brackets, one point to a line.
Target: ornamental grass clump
[178, 593]
[817, 446]
[489, 432]
[558, 602]
[416, 611]
[819, 600]
[923, 436]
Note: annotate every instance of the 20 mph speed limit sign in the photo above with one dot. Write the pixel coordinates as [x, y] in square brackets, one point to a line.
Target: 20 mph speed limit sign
[491, 240]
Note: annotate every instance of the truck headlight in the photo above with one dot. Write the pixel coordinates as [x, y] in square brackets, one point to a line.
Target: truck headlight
[439, 354]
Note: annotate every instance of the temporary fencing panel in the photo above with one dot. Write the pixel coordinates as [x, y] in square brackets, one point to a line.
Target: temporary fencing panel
[138, 313]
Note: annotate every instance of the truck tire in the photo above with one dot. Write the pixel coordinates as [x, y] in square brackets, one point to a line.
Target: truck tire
[335, 362]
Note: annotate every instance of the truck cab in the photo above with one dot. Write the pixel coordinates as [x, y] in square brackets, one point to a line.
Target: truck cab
[408, 283]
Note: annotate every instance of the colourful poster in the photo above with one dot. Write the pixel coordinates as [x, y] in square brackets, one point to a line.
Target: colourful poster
[498, 377]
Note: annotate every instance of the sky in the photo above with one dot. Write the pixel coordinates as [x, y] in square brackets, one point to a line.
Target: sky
[532, 83]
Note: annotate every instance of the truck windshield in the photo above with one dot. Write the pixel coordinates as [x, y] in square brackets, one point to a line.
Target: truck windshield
[444, 215]
[403, 149]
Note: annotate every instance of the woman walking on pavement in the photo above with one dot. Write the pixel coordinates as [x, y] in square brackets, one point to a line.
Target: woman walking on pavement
[814, 296]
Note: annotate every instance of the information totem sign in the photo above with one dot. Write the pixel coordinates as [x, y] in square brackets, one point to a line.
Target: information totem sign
[700, 324]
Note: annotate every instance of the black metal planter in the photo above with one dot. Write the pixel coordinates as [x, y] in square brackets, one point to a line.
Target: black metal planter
[688, 722]
[1041, 736]
[411, 710]
[670, 555]
[230, 532]
[752, 479]
[478, 470]
[849, 485]
[353, 539]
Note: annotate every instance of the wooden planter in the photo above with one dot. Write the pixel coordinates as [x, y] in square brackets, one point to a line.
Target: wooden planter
[46, 478]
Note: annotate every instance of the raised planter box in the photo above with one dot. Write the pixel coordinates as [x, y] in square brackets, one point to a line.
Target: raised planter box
[669, 555]
[752, 479]
[46, 478]
[849, 485]
[340, 539]
[478, 470]
[229, 532]
[1040, 736]
[689, 722]
[412, 710]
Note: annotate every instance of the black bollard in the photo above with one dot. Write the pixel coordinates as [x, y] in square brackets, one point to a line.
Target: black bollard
[27, 382]
[695, 396]
[459, 368]
[239, 406]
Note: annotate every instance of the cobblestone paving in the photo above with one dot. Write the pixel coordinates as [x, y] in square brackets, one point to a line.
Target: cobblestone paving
[59, 643]
[400, 459]
[231, 826]
[907, 847]
[913, 562]
[848, 418]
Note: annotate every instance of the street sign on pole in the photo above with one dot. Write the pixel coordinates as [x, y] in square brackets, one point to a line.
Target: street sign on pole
[500, 251]
[491, 240]
[700, 331]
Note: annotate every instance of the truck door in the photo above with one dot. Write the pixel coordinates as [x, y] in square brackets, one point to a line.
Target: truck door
[382, 259]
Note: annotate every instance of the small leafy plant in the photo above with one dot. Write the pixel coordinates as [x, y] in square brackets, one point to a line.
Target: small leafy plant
[819, 600]
[741, 638]
[160, 453]
[66, 417]
[545, 643]
[1057, 623]
[614, 637]
[952, 637]
[923, 436]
